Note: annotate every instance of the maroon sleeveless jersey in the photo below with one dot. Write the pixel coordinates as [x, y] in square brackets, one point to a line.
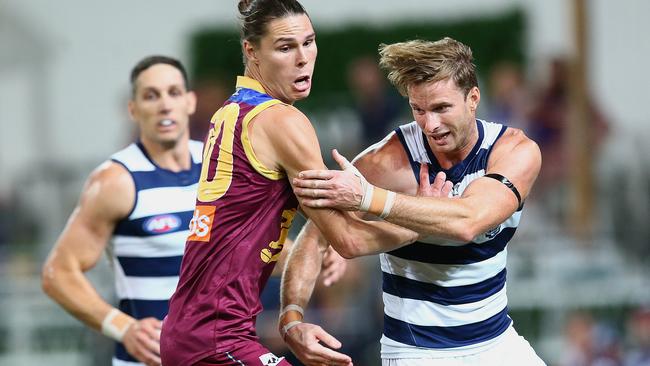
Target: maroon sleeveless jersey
[243, 213]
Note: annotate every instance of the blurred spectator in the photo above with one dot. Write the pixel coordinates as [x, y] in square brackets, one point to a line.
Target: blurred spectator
[590, 344]
[509, 99]
[639, 330]
[377, 104]
[549, 121]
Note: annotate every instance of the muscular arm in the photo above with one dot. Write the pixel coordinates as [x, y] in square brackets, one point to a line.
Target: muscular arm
[384, 164]
[303, 266]
[107, 197]
[298, 280]
[484, 204]
[287, 136]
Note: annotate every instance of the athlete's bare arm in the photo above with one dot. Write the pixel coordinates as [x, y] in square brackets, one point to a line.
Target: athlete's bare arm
[386, 165]
[286, 139]
[107, 197]
[484, 204]
[332, 267]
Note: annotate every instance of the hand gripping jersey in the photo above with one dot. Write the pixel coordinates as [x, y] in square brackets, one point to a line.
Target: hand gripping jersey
[243, 214]
[147, 246]
[440, 298]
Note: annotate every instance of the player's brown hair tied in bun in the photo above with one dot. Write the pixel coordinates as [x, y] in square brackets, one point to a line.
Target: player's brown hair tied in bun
[244, 6]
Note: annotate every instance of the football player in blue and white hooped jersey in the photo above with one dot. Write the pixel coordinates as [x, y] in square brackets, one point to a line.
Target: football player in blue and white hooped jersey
[444, 296]
[137, 205]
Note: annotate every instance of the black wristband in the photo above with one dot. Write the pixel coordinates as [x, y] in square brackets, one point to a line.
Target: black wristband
[508, 184]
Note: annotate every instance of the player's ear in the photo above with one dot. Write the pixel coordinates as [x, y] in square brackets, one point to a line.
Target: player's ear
[191, 102]
[474, 97]
[131, 109]
[249, 50]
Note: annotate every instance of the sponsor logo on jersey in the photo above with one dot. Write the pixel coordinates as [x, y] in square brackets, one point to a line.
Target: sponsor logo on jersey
[201, 223]
[162, 224]
[269, 359]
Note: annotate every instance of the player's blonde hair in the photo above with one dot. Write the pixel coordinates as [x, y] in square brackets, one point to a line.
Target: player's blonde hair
[420, 61]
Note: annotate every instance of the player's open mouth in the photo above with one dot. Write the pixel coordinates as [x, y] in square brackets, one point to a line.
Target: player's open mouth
[166, 122]
[439, 137]
[302, 83]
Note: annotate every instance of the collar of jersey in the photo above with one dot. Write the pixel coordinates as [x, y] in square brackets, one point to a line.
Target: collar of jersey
[248, 83]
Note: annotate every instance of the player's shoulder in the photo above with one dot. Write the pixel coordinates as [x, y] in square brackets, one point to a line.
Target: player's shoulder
[286, 121]
[386, 164]
[109, 192]
[515, 144]
[285, 115]
[387, 151]
[111, 180]
[515, 138]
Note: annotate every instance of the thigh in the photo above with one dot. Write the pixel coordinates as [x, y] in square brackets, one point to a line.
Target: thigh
[246, 353]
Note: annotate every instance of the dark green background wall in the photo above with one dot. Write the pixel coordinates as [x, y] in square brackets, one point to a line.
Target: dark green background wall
[216, 53]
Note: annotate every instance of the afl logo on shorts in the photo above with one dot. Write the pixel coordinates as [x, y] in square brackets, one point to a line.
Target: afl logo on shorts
[162, 224]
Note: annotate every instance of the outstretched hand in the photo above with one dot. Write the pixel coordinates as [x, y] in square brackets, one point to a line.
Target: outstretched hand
[307, 341]
[338, 189]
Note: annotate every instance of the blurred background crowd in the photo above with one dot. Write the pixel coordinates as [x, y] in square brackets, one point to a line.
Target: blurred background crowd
[579, 280]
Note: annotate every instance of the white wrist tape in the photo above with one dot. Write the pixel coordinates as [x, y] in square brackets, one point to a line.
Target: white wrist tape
[368, 190]
[115, 324]
[390, 201]
[293, 307]
[377, 201]
[366, 187]
[288, 315]
[288, 326]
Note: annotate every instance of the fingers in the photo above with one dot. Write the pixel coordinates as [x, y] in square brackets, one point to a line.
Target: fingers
[334, 267]
[330, 355]
[149, 339]
[440, 186]
[424, 176]
[310, 183]
[439, 182]
[316, 174]
[152, 327]
[312, 194]
[331, 275]
[328, 339]
[314, 203]
[142, 341]
[341, 160]
[305, 342]
[446, 189]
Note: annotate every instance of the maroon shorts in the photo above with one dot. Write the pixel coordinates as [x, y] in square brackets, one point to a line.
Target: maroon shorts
[246, 353]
